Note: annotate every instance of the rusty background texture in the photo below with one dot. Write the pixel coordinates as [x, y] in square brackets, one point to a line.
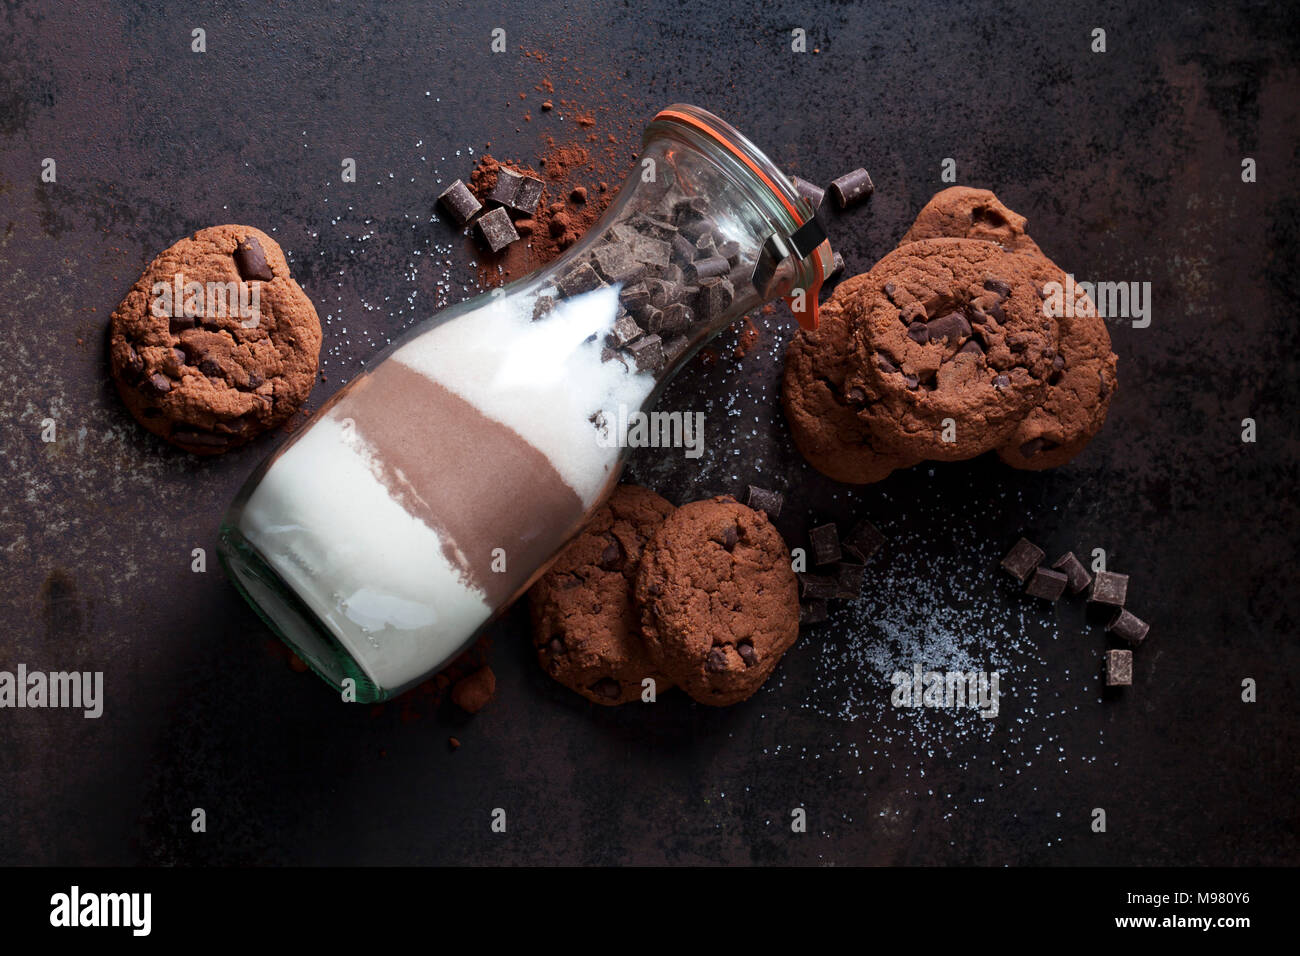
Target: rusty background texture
[1128, 165]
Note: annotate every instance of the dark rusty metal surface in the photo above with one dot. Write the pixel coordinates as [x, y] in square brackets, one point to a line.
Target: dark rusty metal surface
[1128, 166]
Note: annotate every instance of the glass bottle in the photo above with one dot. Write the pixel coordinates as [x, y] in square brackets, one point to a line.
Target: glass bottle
[433, 489]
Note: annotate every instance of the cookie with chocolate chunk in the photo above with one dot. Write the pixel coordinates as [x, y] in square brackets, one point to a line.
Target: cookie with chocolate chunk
[960, 212]
[941, 352]
[1079, 388]
[824, 408]
[1084, 376]
[719, 602]
[215, 343]
[585, 627]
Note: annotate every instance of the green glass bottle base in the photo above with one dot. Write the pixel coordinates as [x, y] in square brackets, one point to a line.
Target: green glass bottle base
[291, 620]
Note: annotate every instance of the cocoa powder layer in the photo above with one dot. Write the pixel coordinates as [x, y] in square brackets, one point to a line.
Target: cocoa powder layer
[475, 481]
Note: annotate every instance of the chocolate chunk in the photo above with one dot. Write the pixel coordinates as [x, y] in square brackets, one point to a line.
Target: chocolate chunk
[1076, 574]
[655, 228]
[746, 651]
[849, 579]
[918, 332]
[694, 228]
[543, 306]
[625, 330]
[912, 381]
[1109, 588]
[714, 298]
[851, 188]
[180, 356]
[730, 536]
[653, 252]
[661, 293]
[616, 265]
[555, 645]
[634, 296]
[817, 585]
[730, 250]
[611, 559]
[884, 362]
[250, 260]
[705, 246]
[158, 383]
[607, 687]
[674, 348]
[1022, 559]
[649, 317]
[1119, 668]
[825, 543]
[814, 612]
[673, 318]
[951, 326]
[770, 502]
[496, 229]
[998, 287]
[682, 251]
[690, 209]
[582, 278]
[1129, 627]
[460, 202]
[1046, 584]
[1001, 381]
[527, 196]
[716, 660]
[181, 323]
[648, 352]
[710, 268]
[866, 539]
[971, 348]
[506, 188]
[210, 367]
[809, 191]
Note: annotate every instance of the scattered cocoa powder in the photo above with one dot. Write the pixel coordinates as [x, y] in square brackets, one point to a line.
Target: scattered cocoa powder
[747, 339]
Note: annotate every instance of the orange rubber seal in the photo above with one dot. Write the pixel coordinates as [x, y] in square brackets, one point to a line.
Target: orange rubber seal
[808, 318]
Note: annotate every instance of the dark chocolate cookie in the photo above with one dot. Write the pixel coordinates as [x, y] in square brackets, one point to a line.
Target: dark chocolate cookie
[215, 343]
[719, 602]
[943, 350]
[960, 212]
[585, 627]
[1080, 388]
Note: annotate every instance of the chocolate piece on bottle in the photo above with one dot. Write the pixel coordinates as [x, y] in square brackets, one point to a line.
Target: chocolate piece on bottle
[1046, 584]
[825, 544]
[1119, 668]
[712, 267]
[674, 347]
[1022, 559]
[1129, 627]
[1075, 572]
[460, 202]
[496, 229]
[616, 265]
[543, 306]
[769, 502]
[852, 188]
[809, 191]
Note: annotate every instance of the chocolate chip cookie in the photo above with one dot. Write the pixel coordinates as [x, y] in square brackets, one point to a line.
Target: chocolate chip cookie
[215, 344]
[943, 350]
[1084, 378]
[585, 627]
[719, 602]
[960, 212]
